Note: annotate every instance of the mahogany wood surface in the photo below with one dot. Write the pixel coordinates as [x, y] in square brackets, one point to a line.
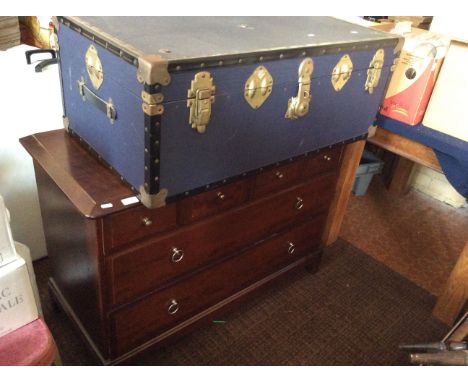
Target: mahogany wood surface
[80, 176]
[133, 325]
[211, 239]
[299, 171]
[113, 270]
[137, 223]
[213, 202]
[73, 243]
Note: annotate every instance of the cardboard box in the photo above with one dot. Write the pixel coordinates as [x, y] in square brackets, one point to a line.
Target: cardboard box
[447, 109]
[17, 304]
[7, 246]
[415, 73]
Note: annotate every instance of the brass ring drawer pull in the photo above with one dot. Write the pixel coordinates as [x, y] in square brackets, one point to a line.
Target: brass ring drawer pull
[326, 157]
[279, 175]
[221, 196]
[291, 247]
[299, 203]
[177, 255]
[173, 308]
[146, 221]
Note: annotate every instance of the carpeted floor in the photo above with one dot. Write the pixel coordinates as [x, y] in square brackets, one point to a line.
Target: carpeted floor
[354, 311]
[413, 234]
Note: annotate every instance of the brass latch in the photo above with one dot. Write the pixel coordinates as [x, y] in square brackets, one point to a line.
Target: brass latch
[258, 87]
[374, 71]
[342, 72]
[299, 106]
[200, 97]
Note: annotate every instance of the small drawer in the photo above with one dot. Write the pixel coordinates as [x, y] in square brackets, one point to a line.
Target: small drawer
[137, 323]
[213, 202]
[324, 161]
[138, 223]
[278, 178]
[148, 266]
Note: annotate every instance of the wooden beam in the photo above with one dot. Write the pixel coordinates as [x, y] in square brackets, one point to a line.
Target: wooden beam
[349, 165]
[455, 294]
[414, 151]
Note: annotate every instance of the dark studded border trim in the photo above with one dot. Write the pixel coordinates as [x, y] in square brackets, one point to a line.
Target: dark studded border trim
[152, 146]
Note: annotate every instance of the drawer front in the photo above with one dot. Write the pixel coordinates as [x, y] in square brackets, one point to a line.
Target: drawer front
[137, 223]
[278, 178]
[325, 160]
[288, 175]
[213, 202]
[138, 323]
[148, 266]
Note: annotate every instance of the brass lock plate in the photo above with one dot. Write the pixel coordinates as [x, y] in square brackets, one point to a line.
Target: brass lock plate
[200, 96]
[342, 72]
[258, 87]
[374, 71]
[299, 106]
[94, 67]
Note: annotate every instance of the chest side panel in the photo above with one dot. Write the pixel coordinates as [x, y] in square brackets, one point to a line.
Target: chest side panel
[121, 143]
[239, 138]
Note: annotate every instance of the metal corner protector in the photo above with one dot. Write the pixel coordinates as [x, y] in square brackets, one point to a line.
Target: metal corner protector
[153, 69]
[153, 200]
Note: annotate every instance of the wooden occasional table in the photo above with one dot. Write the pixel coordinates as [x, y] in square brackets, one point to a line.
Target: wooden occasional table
[455, 293]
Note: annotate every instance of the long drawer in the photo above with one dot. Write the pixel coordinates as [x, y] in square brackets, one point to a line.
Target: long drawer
[148, 266]
[139, 322]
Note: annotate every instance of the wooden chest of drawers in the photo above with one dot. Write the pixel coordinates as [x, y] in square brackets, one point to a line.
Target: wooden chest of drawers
[131, 277]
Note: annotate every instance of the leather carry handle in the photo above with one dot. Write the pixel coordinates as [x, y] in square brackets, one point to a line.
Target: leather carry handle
[106, 107]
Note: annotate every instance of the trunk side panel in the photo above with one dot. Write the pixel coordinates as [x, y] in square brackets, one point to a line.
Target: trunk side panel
[239, 139]
[120, 144]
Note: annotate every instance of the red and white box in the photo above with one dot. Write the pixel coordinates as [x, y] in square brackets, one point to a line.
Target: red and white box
[415, 73]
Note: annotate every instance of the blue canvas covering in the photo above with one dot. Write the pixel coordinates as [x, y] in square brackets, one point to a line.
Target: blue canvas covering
[451, 152]
[238, 138]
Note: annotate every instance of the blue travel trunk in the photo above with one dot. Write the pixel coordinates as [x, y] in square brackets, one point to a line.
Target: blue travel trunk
[176, 105]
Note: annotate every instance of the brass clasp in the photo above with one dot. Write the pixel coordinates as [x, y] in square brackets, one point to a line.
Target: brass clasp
[342, 72]
[258, 87]
[374, 71]
[299, 106]
[200, 97]
[94, 67]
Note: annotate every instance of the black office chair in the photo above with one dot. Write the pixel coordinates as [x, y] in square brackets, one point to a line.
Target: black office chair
[41, 65]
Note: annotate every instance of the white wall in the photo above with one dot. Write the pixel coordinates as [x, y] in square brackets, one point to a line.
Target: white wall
[30, 103]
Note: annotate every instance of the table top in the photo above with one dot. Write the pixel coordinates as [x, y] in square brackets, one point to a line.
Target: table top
[90, 185]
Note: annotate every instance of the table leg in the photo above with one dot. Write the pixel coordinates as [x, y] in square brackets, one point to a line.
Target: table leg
[399, 184]
[349, 164]
[455, 294]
